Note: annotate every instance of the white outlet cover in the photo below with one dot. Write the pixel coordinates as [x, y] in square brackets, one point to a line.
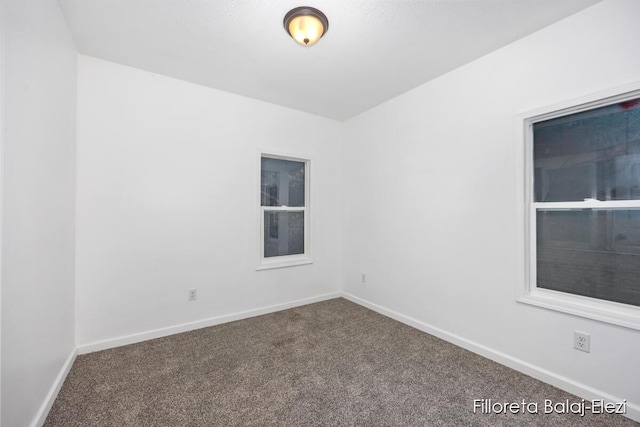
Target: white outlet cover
[582, 341]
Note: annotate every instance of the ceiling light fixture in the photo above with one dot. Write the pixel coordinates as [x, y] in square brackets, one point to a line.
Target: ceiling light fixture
[306, 24]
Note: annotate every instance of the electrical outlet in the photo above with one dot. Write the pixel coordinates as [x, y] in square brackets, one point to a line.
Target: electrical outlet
[193, 294]
[582, 341]
[363, 278]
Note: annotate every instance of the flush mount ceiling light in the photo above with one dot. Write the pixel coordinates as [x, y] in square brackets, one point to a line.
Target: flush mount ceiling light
[306, 24]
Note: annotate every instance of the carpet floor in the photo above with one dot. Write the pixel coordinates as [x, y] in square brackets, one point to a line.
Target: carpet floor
[332, 363]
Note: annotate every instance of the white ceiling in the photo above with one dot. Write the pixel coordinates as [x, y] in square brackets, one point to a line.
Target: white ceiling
[374, 49]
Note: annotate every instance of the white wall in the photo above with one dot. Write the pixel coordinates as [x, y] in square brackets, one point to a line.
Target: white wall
[430, 211]
[38, 185]
[167, 200]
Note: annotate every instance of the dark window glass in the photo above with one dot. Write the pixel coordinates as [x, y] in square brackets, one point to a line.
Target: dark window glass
[592, 154]
[282, 183]
[593, 253]
[283, 233]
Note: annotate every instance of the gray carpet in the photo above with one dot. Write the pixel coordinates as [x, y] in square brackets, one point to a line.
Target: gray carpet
[333, 363]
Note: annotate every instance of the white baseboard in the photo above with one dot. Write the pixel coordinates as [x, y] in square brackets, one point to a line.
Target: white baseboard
[190, 326]
[559, 381]
[44, 409]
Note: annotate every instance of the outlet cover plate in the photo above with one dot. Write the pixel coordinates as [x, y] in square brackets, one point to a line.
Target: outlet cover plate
[582, 341]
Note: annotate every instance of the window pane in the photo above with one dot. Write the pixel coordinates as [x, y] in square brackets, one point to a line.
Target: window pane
[282, 182]
[594, 253]
[283, 233]
[592, 154]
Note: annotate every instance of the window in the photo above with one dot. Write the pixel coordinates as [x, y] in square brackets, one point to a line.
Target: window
[284, 211]
[582, 209]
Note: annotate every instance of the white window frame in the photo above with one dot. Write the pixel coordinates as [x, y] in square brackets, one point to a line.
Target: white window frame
[266, 263]
[527, 292]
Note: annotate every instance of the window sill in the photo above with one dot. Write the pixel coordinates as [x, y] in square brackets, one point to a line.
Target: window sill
[605, 311]
[282, 263]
